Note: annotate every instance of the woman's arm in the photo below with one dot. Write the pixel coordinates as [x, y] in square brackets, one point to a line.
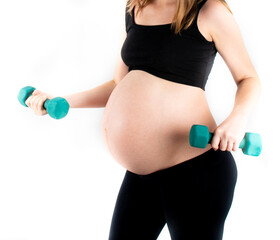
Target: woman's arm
[93, 98]
[229, 43]
[98, 96]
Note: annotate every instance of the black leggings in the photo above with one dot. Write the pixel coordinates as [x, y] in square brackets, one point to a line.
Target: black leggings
[192, 197]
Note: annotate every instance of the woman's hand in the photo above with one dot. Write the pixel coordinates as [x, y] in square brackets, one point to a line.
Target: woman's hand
[229, 134]
[36, 102]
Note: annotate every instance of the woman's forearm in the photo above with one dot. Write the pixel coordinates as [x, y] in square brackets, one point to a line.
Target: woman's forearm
[93, 98]
[246, 97]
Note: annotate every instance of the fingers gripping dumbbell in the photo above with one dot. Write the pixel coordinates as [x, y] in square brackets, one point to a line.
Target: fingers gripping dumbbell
[200, 136]
[57, 107]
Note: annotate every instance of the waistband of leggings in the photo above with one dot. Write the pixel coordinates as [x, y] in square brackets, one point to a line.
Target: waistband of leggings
[204, 160]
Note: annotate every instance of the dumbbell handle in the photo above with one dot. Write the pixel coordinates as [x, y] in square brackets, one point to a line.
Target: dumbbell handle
[241, 145]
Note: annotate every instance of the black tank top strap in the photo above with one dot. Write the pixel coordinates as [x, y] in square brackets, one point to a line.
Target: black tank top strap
[128, 19]
[201, 4]
[194, 27]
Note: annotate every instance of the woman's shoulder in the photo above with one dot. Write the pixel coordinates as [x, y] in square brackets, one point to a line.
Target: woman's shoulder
[214, 11]
[215, 16]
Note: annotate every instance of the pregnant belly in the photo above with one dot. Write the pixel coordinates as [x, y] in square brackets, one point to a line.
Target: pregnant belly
[147, 120]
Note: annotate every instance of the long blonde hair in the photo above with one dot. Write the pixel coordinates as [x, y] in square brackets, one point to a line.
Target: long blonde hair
[185, 12]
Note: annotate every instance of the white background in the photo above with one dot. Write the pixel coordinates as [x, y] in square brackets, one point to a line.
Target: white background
[58, 181]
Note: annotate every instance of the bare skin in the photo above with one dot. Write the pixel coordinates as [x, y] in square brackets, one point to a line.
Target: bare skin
[147, 119]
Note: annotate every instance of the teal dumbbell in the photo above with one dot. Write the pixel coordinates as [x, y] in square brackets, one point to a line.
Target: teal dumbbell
[200, 136]
[57, 107]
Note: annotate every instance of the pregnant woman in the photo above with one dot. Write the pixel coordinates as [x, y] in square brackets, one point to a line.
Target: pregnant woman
[156, 95]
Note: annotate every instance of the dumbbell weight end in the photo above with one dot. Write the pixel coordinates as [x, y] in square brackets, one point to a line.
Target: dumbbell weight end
[57, 107]
[25, 93]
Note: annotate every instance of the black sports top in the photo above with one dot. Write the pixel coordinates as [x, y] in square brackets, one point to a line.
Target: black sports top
[156, 49]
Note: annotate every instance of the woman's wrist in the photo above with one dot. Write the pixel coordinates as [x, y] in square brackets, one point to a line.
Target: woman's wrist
[239, 116]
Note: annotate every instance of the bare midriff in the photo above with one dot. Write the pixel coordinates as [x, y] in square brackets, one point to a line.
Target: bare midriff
[147, 120]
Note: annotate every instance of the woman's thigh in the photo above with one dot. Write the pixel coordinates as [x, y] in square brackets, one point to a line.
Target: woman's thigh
[138, 212]
[198, 196]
